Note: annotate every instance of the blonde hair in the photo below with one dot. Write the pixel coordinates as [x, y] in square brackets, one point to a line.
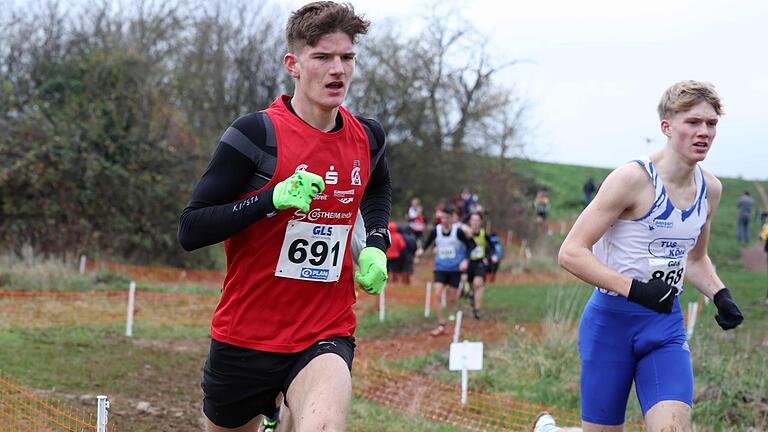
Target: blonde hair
[684, 95]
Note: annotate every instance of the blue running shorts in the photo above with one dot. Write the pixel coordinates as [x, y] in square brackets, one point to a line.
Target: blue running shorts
[621, 342]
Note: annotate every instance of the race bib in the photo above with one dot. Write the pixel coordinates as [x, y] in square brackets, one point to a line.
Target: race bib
[312, 252]
[670, 270]
[477, 253]
[446, 253]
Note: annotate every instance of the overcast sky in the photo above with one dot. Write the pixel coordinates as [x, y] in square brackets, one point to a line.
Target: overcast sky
[595, 70]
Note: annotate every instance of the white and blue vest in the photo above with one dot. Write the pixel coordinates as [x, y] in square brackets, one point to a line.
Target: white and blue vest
[450, 251]
[657, 244]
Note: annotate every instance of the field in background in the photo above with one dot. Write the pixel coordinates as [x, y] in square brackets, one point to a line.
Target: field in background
[564, 183]
[529, 329]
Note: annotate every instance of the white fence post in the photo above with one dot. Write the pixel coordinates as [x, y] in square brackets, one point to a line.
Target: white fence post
[465, 356]
[427, 300]
[457, 329]
[464, 384]
[82, 263]
[693, 312]
[101, 413]
[129, 317]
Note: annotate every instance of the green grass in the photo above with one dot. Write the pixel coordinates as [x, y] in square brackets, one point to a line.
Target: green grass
[731, 377]
[564, 183]
[87, 358]
[53, 275]
[57, 276]
[367, 416]
[396, 321]
[75, 363]
[729, 366]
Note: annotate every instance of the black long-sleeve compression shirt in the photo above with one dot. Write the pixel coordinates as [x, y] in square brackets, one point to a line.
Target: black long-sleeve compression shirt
[244, 162]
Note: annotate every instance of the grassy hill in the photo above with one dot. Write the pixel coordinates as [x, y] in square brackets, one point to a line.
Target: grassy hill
[564, 183]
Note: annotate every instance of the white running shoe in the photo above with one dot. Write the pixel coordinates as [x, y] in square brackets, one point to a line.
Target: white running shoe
[545, 423]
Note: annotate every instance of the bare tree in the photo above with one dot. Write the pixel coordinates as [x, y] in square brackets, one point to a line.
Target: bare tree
[439, 95]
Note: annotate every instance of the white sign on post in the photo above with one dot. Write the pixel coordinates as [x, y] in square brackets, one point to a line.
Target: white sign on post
[466, 355]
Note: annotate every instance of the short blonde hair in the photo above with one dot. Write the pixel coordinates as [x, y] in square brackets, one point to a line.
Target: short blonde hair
[684, 95]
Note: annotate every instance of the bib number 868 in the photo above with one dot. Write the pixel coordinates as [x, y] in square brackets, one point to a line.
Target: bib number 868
[671, 277]
[317, 252]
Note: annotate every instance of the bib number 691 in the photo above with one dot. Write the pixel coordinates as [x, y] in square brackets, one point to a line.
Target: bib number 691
[316, 251]
[312, 252]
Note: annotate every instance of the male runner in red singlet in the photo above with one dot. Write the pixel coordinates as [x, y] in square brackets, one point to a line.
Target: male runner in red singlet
[283, 191]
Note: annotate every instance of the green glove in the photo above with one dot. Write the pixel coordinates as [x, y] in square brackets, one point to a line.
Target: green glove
[297, 191]
[373, 270]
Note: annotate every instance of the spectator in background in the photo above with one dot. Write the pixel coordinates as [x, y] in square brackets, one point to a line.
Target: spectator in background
[439, 212]
[475, 206]
[764, 234]
[498, 248]
[416, 221]
[470, 201]
[764, 230]
[745, 213]
[458, 203]
[589, 190]
[408, 253]
[764, 237]
[541, 205]
[394, 252]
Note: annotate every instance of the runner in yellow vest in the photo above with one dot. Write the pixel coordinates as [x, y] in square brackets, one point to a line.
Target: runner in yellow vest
[481, 256]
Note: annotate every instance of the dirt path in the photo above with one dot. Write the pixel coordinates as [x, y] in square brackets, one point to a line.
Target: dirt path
[406, 346]
[762, 193]
[754, 259]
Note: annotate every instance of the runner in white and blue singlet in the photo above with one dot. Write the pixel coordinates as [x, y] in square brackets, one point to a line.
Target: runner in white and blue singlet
[647, 229]
[452, 246]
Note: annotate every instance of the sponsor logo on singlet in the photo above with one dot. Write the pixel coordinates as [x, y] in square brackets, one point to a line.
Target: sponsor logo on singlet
[344, 196]
[670, 247]
[317, 214]
[356, 176]
[663, 224]
[331, 176]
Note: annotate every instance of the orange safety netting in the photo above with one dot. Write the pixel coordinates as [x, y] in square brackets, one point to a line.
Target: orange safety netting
[21, 410]
[161, 275]
[420, 395]
[46, 309]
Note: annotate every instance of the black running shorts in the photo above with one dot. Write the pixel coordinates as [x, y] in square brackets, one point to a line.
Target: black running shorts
[450, 278]
[239, 383]
[475, 268]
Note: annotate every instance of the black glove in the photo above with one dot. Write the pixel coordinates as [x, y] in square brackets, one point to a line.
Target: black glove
[654, 294]
[728, 313]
